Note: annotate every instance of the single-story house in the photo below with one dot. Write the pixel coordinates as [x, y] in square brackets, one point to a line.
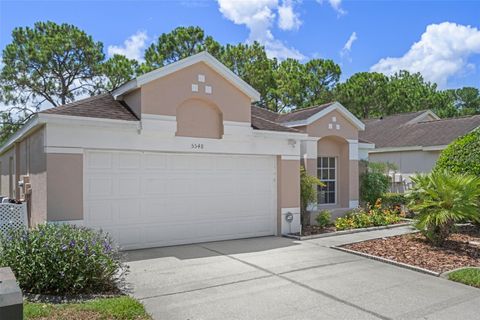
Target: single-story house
[180, 155]
[411, 141]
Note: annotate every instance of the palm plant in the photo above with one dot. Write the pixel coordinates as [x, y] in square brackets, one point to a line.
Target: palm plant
[442, 199]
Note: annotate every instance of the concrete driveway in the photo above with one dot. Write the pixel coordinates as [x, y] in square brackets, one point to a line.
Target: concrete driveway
[278, 278]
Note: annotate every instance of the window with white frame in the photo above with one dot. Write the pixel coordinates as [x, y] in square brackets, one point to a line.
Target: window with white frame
[327, 173]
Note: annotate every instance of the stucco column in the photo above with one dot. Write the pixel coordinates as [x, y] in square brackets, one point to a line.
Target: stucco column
[288, 200]
[308, 150]
[353, 161]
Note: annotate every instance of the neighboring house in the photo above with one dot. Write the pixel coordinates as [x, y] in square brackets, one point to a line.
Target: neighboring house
[411, 141]
[179, 155]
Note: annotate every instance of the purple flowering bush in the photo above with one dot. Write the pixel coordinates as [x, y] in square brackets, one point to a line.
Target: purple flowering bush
[63, 259]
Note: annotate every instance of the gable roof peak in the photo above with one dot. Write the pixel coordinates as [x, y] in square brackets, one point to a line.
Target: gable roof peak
[204, 57]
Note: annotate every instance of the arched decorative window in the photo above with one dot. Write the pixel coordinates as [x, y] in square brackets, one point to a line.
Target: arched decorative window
[200, 119]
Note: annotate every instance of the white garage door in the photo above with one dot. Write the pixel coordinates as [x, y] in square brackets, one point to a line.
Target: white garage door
[148, 199]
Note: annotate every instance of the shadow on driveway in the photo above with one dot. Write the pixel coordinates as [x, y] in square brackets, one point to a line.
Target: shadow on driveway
[196, 251]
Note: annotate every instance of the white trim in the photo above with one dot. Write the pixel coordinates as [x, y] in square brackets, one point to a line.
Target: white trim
[292, 210]
[395, 149]
[426, 113]
[279, 134]
[237, 123]
[147, 116]
[30, 125]
[352, 204]
[335, 106]
[353, 150]
[364, 145]
[63, 150]
[69, 120]
[291, 157]
[204, 57]
[336, 180]
[435, 148]
[80, 222]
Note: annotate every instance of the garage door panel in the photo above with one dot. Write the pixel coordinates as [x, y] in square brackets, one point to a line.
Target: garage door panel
[100, 160]
[100, 186]
[129, 185]
[149, 199]
[99, 212]
[127, 161]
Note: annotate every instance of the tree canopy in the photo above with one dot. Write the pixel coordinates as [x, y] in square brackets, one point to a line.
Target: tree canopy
[52, 64]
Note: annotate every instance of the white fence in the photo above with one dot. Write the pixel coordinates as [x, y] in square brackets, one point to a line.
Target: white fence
[12, 216]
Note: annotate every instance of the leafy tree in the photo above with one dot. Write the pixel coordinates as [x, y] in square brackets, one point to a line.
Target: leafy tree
[49, 63]
[462, 155]
[180, 43]
[441, 199]
[250, 62]
[407, 92]
[118, 70]
[364, 94]
[321, 77]
[466, 100]
[290, 82]
[8, 125]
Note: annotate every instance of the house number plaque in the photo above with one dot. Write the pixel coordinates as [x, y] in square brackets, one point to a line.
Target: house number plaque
[197, 146]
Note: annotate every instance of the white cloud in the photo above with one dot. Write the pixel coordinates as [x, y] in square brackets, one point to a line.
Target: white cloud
[336, 5]
[259, 17]
[442, 52]
[348, 45]
[288, 19]
[132, 47]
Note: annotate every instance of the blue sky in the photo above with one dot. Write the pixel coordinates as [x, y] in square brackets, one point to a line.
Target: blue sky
[382, 33]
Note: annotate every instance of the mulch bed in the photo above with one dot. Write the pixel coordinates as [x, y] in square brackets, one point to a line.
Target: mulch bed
[462, 249]
[311, 230]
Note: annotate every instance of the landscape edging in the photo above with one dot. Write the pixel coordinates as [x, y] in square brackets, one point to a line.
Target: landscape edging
[344, 232]
[46, 298]
[392, 262]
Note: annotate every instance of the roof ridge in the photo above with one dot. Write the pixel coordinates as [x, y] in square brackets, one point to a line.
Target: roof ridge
[276, 123]
[452, 118]
[76, 102]
[309, 108]
[396, 114]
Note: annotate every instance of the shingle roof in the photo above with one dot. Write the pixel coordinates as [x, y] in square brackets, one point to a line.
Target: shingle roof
[302, 114]
[100, 106]
[106, 107]
[264, 124]
[395, 131]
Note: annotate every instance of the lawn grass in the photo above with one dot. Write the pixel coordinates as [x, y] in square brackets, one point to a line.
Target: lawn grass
[122, 308]
[470, 276]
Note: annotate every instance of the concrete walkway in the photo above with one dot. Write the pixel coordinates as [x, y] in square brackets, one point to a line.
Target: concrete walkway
[278, 278]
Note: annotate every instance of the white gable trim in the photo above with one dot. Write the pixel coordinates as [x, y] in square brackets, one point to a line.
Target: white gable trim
[335, 106]
[424, 114]
[204, 57]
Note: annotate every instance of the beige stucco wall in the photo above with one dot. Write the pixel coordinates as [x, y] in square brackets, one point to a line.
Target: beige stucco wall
[290, 183]
[408, 161]
[133, 100]
[65, 187]
[163, 96]
[337, 147]
[5, 164]
[354, 180]
[29, 160]
[320, 128]
[199, 118]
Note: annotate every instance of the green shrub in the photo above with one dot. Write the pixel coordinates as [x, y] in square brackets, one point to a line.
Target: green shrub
[442, 199]
[62, 260]
[376, 216]
[391, 199]
[323, 218]
[462, 155]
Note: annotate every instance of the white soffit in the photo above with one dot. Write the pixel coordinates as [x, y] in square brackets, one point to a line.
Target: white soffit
[335, 106]
[204, 57]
